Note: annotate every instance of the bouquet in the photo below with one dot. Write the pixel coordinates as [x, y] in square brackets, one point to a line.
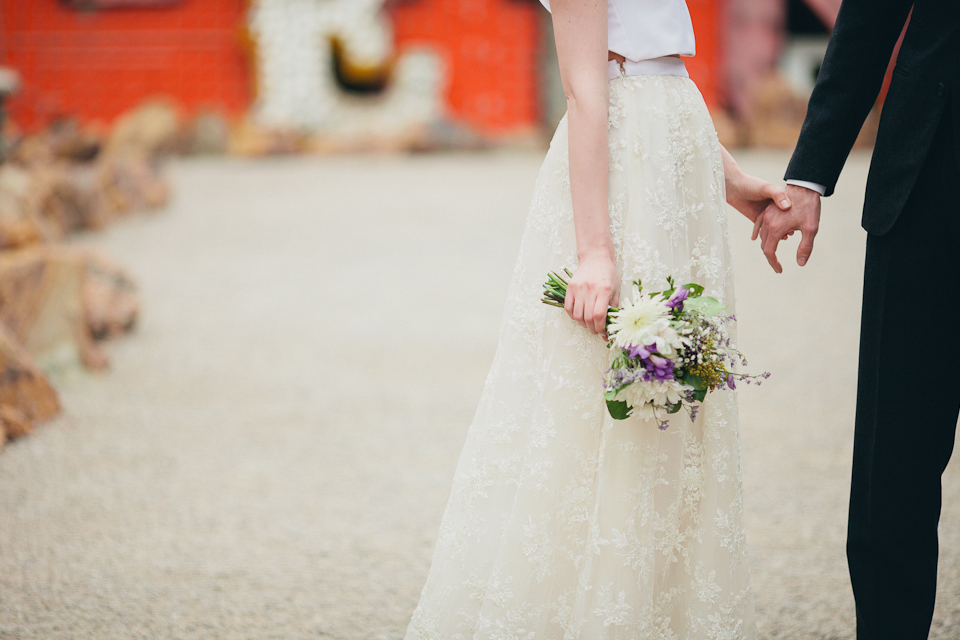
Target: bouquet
[672, 349]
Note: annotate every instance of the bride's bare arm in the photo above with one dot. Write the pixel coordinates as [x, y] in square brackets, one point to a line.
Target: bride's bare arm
[580, 31]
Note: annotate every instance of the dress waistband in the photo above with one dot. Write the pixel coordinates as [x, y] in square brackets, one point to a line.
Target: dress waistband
[664, 66]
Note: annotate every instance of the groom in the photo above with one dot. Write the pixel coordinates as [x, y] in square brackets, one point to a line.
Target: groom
[909, 381]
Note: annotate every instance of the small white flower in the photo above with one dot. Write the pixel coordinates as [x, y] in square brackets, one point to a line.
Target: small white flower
[646, 396]
[647, 412]
[640, 321]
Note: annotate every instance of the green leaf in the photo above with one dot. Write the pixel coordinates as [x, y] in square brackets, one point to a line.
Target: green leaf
[675, 408]
[693, 381]
[695, 290]
[700, 394]
[618, 409]
[706, 305]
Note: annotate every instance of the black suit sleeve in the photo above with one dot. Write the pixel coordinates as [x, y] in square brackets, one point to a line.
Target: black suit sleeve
[847, 87]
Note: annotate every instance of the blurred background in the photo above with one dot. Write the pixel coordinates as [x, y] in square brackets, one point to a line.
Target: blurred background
[304, 215]
[261, 76]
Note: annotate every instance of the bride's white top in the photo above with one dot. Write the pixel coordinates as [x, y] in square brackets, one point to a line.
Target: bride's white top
[648, 29]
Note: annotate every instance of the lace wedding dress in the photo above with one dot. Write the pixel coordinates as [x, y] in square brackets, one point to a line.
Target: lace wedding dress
[563, 523]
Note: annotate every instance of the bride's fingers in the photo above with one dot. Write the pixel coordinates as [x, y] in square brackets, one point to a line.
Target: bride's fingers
[778, 195]
[600, 315]
[587, 318]
[578, 311]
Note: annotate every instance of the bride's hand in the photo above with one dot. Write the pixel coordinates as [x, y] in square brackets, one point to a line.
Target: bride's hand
[594, 288]
[748, 194]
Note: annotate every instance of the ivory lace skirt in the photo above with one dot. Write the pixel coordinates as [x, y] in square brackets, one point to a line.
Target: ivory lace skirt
[563, 523]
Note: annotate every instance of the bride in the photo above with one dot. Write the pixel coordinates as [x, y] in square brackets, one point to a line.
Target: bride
[563, 523]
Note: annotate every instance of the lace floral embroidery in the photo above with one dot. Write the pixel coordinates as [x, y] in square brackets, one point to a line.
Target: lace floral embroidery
[561, 522]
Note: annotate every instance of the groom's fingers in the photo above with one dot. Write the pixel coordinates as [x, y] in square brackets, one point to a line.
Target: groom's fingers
[770, 243]
[757, 224]
[806, 246]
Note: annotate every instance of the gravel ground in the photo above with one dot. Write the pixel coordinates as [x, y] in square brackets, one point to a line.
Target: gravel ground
[270, 455]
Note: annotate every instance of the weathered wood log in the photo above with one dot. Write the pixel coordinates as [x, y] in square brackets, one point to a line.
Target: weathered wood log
[26, 395]
[207, 133]
[110, 301]
[20, 220]
[71, 143]
[132, 182]
[41, 302]
[150, 129]
[15, 422]
[43, 203]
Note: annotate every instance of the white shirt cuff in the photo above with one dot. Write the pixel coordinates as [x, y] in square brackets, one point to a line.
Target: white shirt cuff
[813, 186]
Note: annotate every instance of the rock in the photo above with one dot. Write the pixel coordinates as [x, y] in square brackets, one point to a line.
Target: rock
[31, 151]
[45, 202]
[131, 182]
[20, 204]
[207, 134]
[41, 302]
[444, 135]
[14, 422]
[67, 197]
[15, 232]
[68, 142]
[110, 302]
[26, 395]
[250, 139]
[149, 130]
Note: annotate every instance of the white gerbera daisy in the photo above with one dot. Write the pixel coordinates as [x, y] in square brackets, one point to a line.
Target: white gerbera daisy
[639, 322]
[650, 399]
[661, 394]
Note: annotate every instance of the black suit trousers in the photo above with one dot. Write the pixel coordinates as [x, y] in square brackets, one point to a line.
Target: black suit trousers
[908, 400]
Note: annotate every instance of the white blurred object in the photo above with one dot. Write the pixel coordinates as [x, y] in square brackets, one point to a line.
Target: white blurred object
[801, 60]
[297, 87]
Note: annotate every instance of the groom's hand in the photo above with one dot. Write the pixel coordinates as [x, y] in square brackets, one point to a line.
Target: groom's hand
[774, 224]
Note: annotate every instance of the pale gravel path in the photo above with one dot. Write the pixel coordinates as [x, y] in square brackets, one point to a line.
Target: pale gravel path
[270, 456]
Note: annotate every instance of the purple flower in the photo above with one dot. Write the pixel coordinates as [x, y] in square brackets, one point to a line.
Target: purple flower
[641, 351]
[731, 381]
[661, 368]
[676, 300]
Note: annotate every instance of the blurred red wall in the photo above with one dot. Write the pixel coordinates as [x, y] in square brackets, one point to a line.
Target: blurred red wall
[705, 67]
[97, 64]
[490, 49]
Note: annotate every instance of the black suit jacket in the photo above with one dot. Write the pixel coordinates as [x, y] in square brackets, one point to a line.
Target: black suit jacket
[926, 74]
